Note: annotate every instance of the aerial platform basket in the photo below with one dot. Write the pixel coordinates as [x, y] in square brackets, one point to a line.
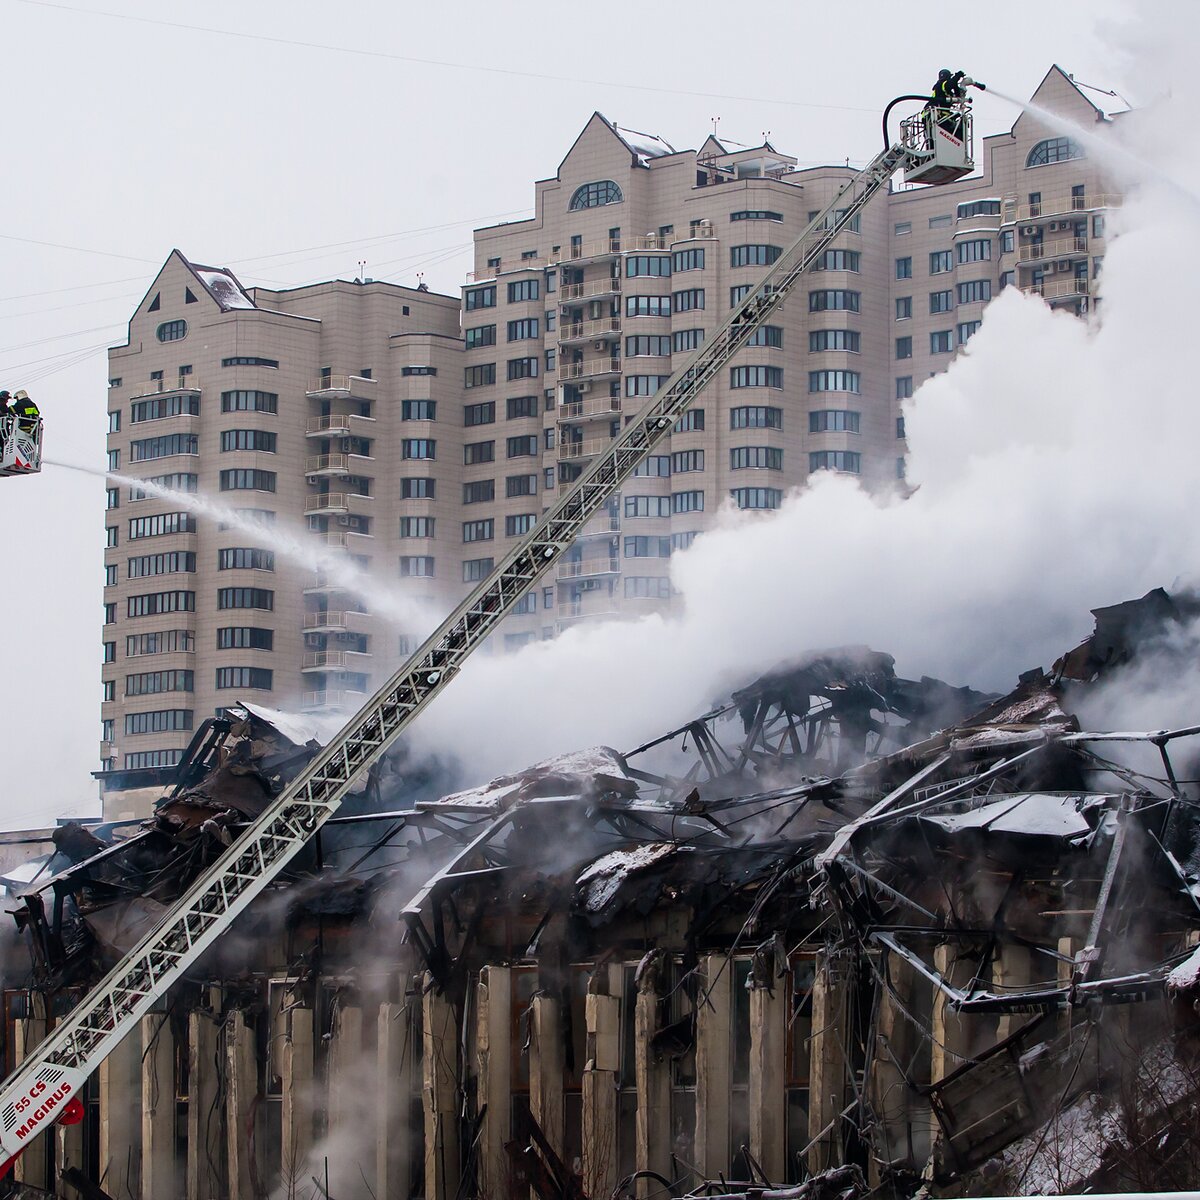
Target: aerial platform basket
[940, 142]
[20, 445]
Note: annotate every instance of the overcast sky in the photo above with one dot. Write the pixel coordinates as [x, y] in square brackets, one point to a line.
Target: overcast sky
[290, 140]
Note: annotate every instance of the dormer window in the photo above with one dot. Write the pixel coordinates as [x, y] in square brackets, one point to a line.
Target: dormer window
[596, 194]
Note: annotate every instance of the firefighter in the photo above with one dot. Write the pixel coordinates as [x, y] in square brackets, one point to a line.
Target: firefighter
[24, 410]
[5, 397]
[949, 90]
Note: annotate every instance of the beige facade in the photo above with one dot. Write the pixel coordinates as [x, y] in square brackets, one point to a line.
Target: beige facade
[421, 436]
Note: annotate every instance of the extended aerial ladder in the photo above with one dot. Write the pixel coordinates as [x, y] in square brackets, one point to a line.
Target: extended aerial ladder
[34, 1096]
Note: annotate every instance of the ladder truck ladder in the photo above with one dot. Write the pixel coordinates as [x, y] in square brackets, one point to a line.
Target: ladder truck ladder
[33, 1097]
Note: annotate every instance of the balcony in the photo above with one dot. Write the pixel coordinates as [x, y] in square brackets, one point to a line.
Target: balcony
[581, 410]
[1066, 287]
[587, 448]
[588, 568]
[605, 329]
[524, 264]
[589, 370]
[330, 503]
[664, 241]
[1062, 248]
[341, 700]
[327, 464]
[576, 613]
[587, 290]
[335, 425]
[342, 539]
[334, 660]
[156, 387]
[333, 621]
[602, 526]
[329, 387]
[586, 252]
[1055, 206]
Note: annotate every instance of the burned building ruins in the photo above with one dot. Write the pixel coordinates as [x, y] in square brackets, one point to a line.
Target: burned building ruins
[847, 932]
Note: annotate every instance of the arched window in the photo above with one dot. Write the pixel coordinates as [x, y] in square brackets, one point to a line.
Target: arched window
[1052, 150]
[593, 195]
[171, 331]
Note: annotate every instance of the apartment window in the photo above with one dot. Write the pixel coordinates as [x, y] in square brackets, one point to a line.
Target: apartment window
[110, 575]
[247, 479]
[416, 527]
[153, 603]
[748, 377]
[114, 422]
[644, 385]
[108, 689]
[757, 497]
[158, 408]
[519, 524]
[647, 264]
[114, 460]
[904, 387]
[685, 502]
[112, 498]
[112, 533]
[110, 614]
[249, 401]
[1052, 150]
[688, 301]
[524, 289]
[975, 292]
[109, 655]
[522, 447]
[647, 506]
[647, 547]
[835, 460]
[418, 448]
[692, 421]
[162, 447]
[739, 293]
[755, 417]
[900, 427]
[246, 597]
[249, 360]
[834, 381]
[171, 563]
[547, 597]
[480, 491]
[245, 558]
[903, 308]
[479, 414]
[551, 360]
[940, 302]
[688, 260]
[115, 382]
[479, 452]
[245, 637]
[833, 420]
[479, 531]
[647, 587]
[1008, 278]
[902, 229]
[966, 330]
[178, 482]
[975, 250]
[475, 569]
[551, 317]
[524, 329]
[171, 331]
[548, 475]
[416, 566]
[941, 261]
[144, 759]
[656, 465]
[683, 340]
[979, 208]
[1098, 226]
[754, 255]
[755, 458]
[683, 461]
[260, 516]
[479, 376]
[651, 345]
[834, 299]
[248, 439]
[941, 341]
[481, 335]
[160, 524]
[484, 297]
[647, 306]
[418, 489]
[520, 485]
[522, 368]
[517, 407]
[595, 194]
[838, 260]
[170, 720]
[941, 222]
[904, 347]
[149, 683]
[257, 678]
[1008, 241]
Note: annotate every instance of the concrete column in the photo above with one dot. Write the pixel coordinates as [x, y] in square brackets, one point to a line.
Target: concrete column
[891, 1099]
[241, 1090]
[768, 1079]
[395, 1139]
[158, 1106]
[351, 1133]
[68, 1152]
[440, 1095]
[31, 1167]
[121, 1118]
[296, 1081]
[827, 1062]
[546, 1069]
[493, 1048]
[603, 1016]
[951, 1032]
[652, 1076]
[713, 1015]
[205, 1132]
[1011, 968]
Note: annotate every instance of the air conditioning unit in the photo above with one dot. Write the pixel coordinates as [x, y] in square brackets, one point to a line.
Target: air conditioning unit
[589, 585]
[1065, 265]
[1053, 226]
[312, 479]
[599, 344]
[1029, 230]
[705, 229]
[585, 387]
[345, 522]
[345, 444]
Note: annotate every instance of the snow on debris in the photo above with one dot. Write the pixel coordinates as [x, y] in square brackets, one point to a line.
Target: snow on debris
[645, 145]
[298, 728]
[1032, 815]
[602, 880]
[1185, 976]
[223, 288]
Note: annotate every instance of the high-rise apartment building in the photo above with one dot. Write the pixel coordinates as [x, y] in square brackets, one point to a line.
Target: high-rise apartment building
[418, 436]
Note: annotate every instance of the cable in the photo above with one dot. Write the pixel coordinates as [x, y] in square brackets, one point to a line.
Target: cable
[433, 62]
[8, 237]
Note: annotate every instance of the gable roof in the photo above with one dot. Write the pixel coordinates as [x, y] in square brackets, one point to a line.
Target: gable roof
[641, 146]
[221, 284]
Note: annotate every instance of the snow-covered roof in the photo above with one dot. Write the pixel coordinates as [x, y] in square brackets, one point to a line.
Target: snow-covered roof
[222, 285]
[645, 145]
[1036, 815]
[298, 728]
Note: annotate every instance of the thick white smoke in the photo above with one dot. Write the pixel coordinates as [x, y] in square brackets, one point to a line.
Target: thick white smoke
[1055, 466]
